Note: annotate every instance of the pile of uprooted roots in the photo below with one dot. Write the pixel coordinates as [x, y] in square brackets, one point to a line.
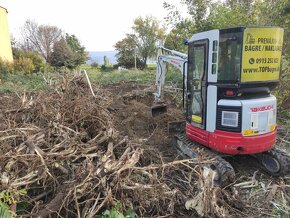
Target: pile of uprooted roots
[62, 156]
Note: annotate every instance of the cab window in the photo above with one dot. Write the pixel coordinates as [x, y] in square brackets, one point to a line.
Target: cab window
[230, 52]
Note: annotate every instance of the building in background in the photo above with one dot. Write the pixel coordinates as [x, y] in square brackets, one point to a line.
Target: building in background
[5, 43]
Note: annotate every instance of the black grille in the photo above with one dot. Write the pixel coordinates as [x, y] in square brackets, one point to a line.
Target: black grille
[219, 118]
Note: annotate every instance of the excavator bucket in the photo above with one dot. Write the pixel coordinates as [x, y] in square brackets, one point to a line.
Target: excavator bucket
[157, 109]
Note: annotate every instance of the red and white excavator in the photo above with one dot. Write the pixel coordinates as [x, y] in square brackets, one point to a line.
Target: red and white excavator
[228, 76]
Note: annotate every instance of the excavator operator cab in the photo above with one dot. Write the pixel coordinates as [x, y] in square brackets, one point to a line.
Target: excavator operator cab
[230, 74]
[227, 79]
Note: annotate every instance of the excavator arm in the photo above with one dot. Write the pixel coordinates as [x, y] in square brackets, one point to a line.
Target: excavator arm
[179, 61]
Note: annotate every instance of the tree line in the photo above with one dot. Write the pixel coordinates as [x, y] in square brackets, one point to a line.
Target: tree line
[202, 15]
[42, 47]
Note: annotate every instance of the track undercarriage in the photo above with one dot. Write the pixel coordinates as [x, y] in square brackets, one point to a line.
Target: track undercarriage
[274, 162]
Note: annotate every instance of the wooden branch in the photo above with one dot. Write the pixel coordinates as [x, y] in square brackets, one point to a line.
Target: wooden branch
[90, 85]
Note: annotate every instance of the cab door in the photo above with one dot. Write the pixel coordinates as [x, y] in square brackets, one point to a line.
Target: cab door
[197, 82]
[202, 79]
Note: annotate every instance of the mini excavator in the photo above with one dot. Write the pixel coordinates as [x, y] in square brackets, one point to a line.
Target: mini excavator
[228, 76]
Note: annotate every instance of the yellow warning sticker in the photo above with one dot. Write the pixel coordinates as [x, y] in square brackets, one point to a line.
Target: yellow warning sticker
[196, 118]
[261, 58]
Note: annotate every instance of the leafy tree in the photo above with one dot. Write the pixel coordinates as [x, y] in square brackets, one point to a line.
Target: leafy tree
[62, 55]
[209, 14]
[142, 42]
[41, 38]
[67, 52]
[198, 9]
[126, 53]
[147, 32]
[247, 13]
[183, 30]
[80, 55]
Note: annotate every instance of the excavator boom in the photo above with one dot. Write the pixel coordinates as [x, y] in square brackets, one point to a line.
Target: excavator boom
[179, 61]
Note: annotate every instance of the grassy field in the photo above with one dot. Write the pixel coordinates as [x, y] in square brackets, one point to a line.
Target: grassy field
[115, 76]
[35, 82]
[22, 82]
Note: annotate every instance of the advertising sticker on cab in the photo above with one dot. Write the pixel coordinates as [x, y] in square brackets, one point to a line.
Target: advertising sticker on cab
[262, 49]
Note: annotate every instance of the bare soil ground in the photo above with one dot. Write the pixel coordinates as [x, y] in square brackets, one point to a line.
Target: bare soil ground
[77, 155]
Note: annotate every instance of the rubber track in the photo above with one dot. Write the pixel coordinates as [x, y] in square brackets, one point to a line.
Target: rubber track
[284, 160]
[226, 173]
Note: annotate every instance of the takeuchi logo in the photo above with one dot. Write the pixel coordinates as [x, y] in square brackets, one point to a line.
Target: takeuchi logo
[264, 108]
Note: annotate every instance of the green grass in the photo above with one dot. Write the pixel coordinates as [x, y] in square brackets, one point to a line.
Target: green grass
[19, 82]
[119, 76]
[22, 82]
[115, 76]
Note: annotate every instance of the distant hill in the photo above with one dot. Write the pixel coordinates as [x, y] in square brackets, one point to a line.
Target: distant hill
[98, 56]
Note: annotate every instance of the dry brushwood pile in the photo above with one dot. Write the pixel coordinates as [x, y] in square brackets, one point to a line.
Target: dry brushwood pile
[66, 153]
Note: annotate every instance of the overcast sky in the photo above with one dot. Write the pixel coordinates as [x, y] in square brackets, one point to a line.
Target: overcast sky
[98, 24]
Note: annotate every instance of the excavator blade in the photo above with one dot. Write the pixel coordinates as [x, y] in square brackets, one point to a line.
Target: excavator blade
[157, 109]
[175, 127]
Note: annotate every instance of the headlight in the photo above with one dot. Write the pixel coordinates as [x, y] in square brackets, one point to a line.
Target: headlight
[230, 118]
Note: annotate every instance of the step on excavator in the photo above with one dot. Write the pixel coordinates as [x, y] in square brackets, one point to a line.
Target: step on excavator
[227, 76]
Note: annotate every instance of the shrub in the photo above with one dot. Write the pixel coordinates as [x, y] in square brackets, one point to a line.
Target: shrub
[24, 65]
[36, 59]
[115, 66]
[48, 69]
[103, 67]
[5, 67]
[95, 65]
